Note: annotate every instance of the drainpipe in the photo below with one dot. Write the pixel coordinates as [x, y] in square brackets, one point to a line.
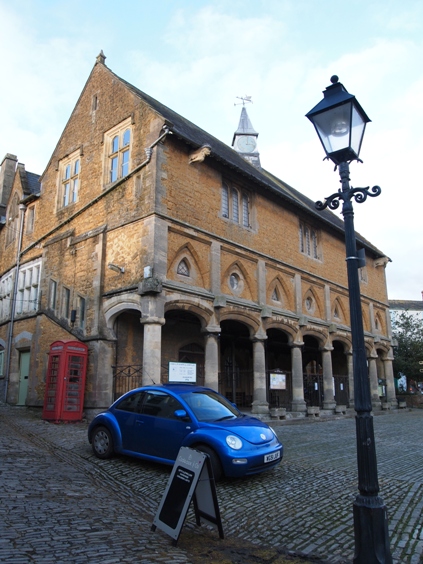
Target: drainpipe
[22, 209]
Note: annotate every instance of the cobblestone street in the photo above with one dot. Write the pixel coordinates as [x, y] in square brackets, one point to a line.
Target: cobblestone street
[58, 503]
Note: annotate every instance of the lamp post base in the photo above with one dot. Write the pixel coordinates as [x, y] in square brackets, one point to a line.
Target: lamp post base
[371, 531]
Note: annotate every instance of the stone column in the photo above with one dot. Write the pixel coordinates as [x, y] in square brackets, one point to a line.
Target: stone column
[390, 384]
[298, 403]
[260, 404]
[328, 395]
[350, 378]
[152, 352]
[211, 376]
[374, 387]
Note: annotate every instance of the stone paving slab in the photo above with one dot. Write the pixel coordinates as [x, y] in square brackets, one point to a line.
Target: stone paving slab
[52, 512]
[304, 506]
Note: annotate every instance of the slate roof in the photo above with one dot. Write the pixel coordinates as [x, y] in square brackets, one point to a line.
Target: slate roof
[197, 137]
[30, 182]
[33, 182]
[245, 127]
[406, 305]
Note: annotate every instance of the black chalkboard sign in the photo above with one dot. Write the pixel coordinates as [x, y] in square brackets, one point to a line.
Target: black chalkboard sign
[191, 478]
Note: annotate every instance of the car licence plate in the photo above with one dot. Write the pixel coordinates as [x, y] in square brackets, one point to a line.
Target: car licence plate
[273, 456]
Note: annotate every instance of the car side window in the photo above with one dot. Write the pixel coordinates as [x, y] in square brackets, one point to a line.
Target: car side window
[160, 404]
[131, 403]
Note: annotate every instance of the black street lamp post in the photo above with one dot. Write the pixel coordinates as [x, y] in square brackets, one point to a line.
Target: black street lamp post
[340, 122]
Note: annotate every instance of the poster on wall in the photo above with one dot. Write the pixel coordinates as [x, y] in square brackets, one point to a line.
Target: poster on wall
[183, 372]
[277, 381]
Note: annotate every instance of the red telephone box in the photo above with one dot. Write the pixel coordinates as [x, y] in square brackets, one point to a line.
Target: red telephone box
[65, 382]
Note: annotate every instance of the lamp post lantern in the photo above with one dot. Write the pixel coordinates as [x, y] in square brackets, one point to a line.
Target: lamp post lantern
[340, 122]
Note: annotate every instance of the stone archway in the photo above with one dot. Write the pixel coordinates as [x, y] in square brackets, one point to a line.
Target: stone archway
[278, 368]
[340, 374]
[128, 361]
[236, 378]
[312, 372]
[182, 341]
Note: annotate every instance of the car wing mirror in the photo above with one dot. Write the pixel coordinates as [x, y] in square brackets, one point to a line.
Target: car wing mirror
[181, 414]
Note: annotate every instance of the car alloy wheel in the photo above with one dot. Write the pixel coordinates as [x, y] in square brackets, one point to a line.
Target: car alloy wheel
[102, 443]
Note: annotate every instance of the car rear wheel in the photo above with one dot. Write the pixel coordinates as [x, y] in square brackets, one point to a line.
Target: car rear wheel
[102, 442]
[214, 459]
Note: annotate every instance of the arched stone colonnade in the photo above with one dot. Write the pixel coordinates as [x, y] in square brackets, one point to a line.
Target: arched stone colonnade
[271, 361]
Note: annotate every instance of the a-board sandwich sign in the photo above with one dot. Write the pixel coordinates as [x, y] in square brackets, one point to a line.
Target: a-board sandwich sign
[191, 479]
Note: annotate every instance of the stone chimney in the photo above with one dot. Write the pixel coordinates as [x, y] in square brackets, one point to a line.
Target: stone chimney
[7, 175]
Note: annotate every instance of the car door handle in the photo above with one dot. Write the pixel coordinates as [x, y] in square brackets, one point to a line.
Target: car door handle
[139, 422]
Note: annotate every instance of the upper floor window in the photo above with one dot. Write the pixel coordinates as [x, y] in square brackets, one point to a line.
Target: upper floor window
[30, 219]
[69, 179]
[6, 287]
[236, 205]
[12, 225]
[28, 288]
[118, 147]
[27, 291]
[309, 241]
[66, 302]
[52, 302]
[81, 312]
[183, 268]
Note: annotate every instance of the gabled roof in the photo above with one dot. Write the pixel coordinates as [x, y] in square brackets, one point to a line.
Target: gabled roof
[197, 137]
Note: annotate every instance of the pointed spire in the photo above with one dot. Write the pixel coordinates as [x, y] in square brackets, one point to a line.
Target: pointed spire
[245, 140]
[245, 126]
[101, 58]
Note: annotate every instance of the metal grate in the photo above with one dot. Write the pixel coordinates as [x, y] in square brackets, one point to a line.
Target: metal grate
[342, 391]
[313, 389]
[126, 378]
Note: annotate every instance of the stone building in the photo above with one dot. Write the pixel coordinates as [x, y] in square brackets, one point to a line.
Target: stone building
[153, 242]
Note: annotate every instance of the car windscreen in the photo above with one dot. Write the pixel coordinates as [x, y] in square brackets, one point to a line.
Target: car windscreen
[210, 406]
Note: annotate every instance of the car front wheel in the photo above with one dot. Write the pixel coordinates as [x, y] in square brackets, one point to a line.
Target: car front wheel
[214, 459]
[102, 442]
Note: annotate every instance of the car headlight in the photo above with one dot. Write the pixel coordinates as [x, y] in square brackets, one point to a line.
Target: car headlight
[273, 431]
[233, 442]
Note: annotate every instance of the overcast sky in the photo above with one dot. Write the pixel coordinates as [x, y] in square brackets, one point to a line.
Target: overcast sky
[198, 56]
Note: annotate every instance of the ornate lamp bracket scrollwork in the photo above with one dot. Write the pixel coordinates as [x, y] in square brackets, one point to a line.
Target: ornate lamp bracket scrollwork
[359, 195]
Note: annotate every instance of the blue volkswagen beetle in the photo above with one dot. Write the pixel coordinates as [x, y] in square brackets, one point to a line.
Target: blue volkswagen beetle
[154, 422]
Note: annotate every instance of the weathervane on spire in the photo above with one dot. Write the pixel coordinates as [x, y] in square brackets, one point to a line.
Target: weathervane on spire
[245, 137]
[245, 100]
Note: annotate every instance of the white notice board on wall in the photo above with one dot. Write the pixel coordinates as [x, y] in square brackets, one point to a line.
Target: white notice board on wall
[183, 372]
[277, 381]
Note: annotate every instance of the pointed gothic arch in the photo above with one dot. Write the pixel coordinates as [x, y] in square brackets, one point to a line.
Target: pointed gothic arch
[185, 266]
[339, 312]
[278, 293]
[242, 285]
[379, 326]
[311, 303]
